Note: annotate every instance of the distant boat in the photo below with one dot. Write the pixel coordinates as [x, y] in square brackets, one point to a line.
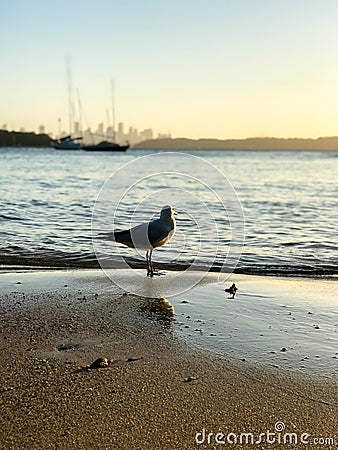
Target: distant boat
[105, 146]
[67, 143]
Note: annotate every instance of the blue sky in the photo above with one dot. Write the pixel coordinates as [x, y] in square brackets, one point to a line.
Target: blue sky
[226, 69]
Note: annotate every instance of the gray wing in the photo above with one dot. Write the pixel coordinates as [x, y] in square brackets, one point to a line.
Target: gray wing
[159, 230]
[144, 236]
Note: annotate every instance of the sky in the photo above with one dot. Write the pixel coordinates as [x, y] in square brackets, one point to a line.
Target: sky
[194, 68]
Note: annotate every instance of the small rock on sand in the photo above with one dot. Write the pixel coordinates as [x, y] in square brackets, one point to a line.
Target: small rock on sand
[189, 379]
[99, 363]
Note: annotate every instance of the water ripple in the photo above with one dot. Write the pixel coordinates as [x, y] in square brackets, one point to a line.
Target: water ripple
[289, 203]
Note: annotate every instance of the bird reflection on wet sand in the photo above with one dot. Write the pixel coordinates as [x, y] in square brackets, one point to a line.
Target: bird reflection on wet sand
[159, 309]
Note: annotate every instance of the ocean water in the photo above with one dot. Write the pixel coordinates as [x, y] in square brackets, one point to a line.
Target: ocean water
[265, 212]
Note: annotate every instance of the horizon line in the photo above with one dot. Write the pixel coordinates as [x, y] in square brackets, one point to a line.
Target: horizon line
[199, 138]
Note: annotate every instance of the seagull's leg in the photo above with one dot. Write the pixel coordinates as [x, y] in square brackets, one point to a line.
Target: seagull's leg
[151, 264]
[152, 271]
[148, 265]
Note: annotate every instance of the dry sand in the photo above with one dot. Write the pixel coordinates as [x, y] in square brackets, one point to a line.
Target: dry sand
[53, 326]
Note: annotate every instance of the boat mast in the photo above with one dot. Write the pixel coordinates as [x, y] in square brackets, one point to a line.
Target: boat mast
[70, 95]
[113, 107]
[107, 136]
[79, 108]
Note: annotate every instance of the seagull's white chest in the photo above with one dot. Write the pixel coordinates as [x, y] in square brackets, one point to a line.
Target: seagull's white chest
[172, 232]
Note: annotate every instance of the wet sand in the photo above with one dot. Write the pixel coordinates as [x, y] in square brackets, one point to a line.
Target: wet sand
[157, 391]
[281, 322]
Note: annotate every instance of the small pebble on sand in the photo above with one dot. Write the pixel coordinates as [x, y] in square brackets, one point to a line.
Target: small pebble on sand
[99, 363]
[189, 379]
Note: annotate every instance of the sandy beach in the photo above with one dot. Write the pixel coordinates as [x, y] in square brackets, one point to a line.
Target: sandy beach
[159, 391]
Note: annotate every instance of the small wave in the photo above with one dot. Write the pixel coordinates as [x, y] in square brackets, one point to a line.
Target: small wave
[6, 217]
[60, 262]
[47, 185]
[88, 260]
[318, 245]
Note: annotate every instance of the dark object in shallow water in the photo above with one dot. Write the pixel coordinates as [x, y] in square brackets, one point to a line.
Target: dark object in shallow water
[232, 290]
[99, 363]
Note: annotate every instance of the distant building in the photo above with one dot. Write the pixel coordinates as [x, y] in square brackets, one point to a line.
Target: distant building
[77, 129]
[88, 136]
[132, 136]
[42, 129]
[164, 135]
[100, 129]
[147, 135]
[120, 132]
[110, 133]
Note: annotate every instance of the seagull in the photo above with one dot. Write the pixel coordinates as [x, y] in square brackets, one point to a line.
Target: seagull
[148, 235]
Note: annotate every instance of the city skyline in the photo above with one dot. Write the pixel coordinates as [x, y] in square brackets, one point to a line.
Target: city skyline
[131, 134]
[219, 69]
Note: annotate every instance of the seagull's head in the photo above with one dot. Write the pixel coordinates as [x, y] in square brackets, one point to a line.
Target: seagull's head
[167, 212]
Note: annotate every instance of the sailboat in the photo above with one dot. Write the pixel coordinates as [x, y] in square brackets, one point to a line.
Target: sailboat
[67, 143]
[107, 146]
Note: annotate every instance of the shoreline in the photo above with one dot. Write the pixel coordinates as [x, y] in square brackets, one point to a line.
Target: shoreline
[139, 265]
[158, 392]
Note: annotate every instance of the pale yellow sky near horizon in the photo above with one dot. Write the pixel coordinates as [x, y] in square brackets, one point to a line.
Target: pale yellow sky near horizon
[209, 69]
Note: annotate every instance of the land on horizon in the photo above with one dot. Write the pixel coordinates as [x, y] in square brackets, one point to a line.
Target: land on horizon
[30, 139]
[264, 143]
